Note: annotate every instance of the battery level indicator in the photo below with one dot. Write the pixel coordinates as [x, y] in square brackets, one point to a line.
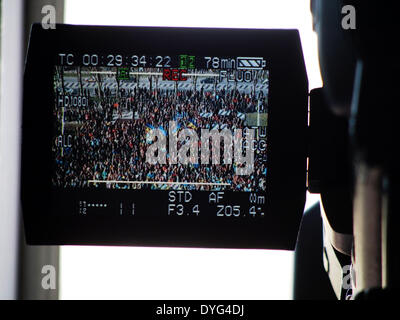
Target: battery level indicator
[253, 63]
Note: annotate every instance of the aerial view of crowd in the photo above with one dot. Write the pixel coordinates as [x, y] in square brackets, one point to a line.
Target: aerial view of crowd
[108, 144]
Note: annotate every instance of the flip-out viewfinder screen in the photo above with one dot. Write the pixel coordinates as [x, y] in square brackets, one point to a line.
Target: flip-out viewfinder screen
[164, 137]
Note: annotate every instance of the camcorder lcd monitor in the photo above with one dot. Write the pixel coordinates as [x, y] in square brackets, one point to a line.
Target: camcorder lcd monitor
[161, 136]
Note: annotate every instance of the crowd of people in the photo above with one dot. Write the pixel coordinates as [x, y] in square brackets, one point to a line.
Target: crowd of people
[108, 146]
